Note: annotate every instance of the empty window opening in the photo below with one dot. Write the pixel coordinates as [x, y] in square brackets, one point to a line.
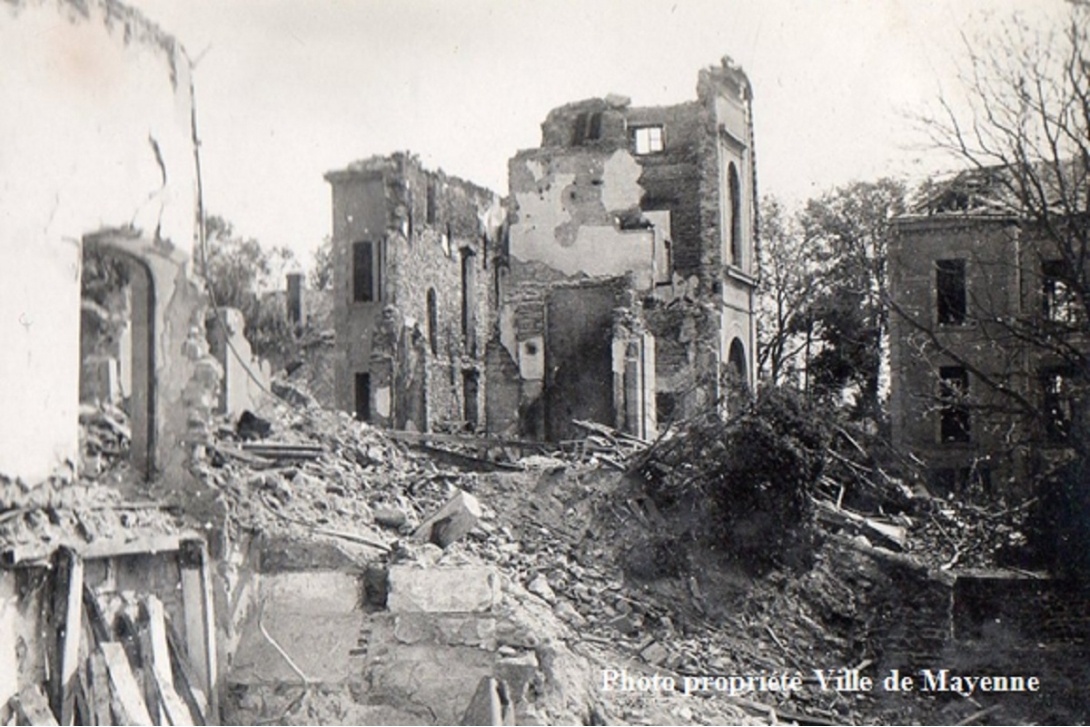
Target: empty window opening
[588, 127]
[429, 207]
[470, 389]
[738, 378]
[433, 322]
[469, 301]
[950, 295]
[735, 185]
[954, 416]
[363, 397]
[648, 140]
[1058, 403]
[1059, 303]
[366, 272]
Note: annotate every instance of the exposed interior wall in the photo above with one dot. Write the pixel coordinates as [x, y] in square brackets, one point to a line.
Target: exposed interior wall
[664, 194]
[116, 152]
[577, 211]
[246, 377]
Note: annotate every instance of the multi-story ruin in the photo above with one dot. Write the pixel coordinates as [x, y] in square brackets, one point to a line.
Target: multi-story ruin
[984, 327]
[412, 286]
[663, 197]
[617, 286]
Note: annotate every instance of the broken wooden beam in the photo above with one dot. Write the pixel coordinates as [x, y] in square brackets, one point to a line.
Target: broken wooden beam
[68, 615]
[185, 684]
[200, 622]
[40, 553]
[128, 696]
[32, 708]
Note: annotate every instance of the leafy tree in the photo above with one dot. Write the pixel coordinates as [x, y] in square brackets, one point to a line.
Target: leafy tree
[321, 275]
[238, 272]
[790, 282]
[822, 313]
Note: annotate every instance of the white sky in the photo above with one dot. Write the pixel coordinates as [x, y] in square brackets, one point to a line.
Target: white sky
[289, 89]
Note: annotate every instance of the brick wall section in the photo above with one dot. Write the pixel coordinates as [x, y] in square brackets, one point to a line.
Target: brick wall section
[387, 199]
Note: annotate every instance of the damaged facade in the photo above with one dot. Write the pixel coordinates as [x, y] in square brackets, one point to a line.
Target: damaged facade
[619, 289]
[100, 102]
[982, 385]
[661, 200]
[412, 289]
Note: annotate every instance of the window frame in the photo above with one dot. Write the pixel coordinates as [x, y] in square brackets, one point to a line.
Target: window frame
[950, 319]
[649, 129]
[367, 289]
[955, 424]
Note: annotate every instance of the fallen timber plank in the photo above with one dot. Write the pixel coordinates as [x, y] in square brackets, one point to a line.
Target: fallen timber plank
[469, 440]
[100, 689]
[186, 684]
[200, 620]
[32, 707]
[458, 459]
[39, 554]
[157, 666]
[127, 693]
[894, 534]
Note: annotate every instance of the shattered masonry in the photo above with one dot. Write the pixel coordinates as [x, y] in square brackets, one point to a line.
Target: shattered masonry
[616, 284]
[412, 286]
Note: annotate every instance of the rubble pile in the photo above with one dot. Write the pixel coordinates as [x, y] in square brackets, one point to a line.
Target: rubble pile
[91, 510]
[616, 580]
[323, 473]
[953, 534]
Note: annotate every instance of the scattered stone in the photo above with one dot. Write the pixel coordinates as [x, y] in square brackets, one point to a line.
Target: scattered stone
[292, 394]
[566, 612]
[490, 705]
[655, 654]
[252, 427]
[539, 586]
[390, 517]
[467, 589]
[457, 517]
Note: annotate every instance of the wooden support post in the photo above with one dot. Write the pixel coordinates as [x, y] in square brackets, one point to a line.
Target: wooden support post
[68, 622]
[200, 622]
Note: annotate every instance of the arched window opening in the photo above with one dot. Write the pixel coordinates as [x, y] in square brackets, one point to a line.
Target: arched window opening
[735, 189]
[737, 365]
[433, 322]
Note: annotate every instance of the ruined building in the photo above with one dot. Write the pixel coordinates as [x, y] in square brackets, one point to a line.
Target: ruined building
[103, 157]
[619, 288]
[984, 325]
[628, 296]
[412, 286]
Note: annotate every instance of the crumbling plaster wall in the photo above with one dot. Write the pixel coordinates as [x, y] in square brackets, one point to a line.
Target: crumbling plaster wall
[989, 248]
[567, 206]
[359, 214]
[98, 104]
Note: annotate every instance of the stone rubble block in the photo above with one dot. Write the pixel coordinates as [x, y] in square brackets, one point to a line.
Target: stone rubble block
[443, 589]
[456, 518]
[452, 630]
